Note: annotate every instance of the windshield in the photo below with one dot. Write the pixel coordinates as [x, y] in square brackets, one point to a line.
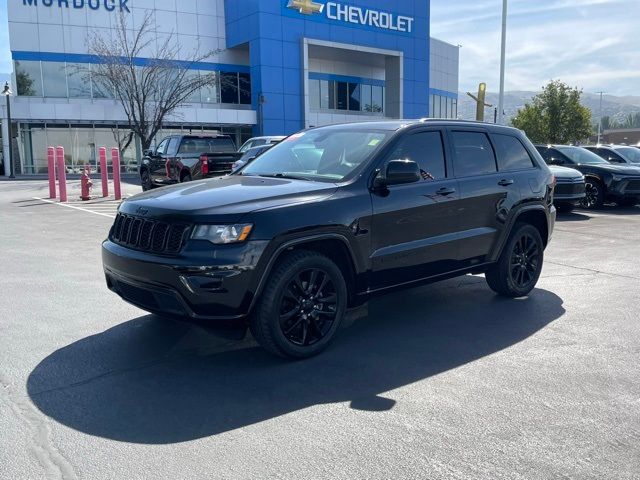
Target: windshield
[325, 154]
[630, 153]
[581, 155]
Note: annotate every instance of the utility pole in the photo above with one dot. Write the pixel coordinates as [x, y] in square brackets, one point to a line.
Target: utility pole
[502, 63]
[600, 119]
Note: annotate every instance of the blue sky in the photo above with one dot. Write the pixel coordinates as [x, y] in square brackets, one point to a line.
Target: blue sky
[592, 44]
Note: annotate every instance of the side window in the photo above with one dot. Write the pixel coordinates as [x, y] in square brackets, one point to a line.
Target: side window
[162, 148]
[424, 148]
[473, 154]
[172, 149]
[556, 158]
[511, 153]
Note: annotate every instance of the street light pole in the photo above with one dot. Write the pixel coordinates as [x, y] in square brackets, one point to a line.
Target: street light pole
[7, 93]
[502, 62]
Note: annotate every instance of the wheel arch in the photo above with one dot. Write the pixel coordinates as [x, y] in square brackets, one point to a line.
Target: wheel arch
[535, 215]
[336, 247]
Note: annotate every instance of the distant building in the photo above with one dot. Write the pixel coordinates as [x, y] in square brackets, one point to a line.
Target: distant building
[626, 136]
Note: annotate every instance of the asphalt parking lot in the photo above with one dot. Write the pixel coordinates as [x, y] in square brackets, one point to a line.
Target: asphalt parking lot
[441, 382]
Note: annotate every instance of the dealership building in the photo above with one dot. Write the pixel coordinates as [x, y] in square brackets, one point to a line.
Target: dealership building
[279, 66]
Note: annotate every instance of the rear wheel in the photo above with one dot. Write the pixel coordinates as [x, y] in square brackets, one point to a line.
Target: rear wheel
[185, 178]
[594, 197]
[145, 180]
[520, 264]
[302, 306]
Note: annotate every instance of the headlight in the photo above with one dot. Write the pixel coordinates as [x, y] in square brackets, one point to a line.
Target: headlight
[222, 234]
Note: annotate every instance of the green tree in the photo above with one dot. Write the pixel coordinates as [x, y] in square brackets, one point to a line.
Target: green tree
[555, 115]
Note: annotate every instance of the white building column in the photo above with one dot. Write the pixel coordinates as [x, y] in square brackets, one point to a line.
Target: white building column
[6, 140]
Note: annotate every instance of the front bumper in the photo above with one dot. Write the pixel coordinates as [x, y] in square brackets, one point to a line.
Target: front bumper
[626, 187]
[198, 285]
[569, 190]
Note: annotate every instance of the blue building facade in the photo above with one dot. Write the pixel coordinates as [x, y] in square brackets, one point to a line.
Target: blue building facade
[278, 35]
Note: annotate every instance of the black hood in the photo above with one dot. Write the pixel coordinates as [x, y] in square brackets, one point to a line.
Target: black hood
[225, 199]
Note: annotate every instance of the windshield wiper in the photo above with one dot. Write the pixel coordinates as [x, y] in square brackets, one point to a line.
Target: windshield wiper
[287, 176]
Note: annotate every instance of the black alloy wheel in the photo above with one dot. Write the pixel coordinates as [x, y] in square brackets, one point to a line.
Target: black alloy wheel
[308, 307]
[594, 195]
[519, 267]
[525, 258]
[301, 307]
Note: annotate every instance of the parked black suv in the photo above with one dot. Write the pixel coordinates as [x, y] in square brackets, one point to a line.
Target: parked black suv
[330, 217]
[604, 181]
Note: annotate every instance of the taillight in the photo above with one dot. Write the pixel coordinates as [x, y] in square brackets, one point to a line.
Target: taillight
[204, 160]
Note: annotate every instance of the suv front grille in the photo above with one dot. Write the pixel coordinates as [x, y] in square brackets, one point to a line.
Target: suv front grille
[148, 235]
[570, 188]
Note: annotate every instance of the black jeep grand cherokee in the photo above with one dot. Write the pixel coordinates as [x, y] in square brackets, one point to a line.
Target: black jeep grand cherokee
[331, 216]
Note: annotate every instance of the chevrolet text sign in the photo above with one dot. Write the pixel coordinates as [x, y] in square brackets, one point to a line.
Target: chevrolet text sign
[108, 5]
[351, 14]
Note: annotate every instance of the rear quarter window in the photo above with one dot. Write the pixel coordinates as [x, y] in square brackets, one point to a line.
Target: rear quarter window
[511, 153]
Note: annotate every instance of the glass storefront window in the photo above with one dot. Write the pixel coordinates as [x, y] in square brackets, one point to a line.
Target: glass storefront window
[211, 93]
[365, 98]
[229, 87]
[244, 80]
[342, 96]
[28, 79]
[314, 94]
[54, 77]
[99, 91]
[195, 96]
[79, 81]
[325, 95]
[354, 97]
[377, 100]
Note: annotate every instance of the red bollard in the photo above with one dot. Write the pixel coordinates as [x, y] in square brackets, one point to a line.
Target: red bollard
[51, 164]
[115, 160]
[62, 173]
[104, 172]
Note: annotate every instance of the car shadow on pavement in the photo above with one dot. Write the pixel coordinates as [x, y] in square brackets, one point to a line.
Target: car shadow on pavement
[573, 217]
[156, 381]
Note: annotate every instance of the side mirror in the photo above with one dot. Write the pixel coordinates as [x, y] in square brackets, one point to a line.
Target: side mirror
[398, 172]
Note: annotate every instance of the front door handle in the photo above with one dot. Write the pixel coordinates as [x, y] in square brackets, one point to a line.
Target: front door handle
[505, 182]
[446, 191]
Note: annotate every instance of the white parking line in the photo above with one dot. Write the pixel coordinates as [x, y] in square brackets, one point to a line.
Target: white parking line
[74, 207]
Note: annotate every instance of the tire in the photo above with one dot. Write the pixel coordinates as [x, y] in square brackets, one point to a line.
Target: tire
[515, 275]
[185, 178]
[628, 202]
[300, 311]
[565, 207]
[145, 180]
[595, 195]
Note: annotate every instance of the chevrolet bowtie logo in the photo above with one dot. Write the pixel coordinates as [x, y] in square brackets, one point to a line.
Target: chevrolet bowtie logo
[307, 7]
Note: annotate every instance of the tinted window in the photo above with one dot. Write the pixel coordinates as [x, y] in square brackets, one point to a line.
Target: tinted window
[473, 154]
[173, 146]
[511, 153]
[426, 150]
[630, 153]
[163, 146]
[207, 145]
[229, 87]
[581, 155]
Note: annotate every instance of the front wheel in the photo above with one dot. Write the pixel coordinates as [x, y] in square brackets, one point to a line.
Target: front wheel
[302, 306]
[520, 264]
[594, 197]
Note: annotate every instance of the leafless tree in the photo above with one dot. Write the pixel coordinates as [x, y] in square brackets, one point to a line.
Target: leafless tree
[152, 90]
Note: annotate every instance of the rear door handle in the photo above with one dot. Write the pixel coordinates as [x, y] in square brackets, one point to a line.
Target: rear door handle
[446, 191]
[505, 182]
